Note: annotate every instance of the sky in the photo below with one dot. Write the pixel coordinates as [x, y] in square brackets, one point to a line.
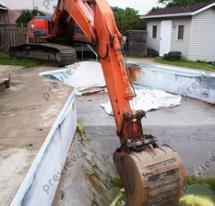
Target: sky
[143, 6]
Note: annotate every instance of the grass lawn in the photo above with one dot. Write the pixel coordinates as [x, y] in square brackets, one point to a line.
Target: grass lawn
[189, 64]
[26, 63]
[135, 54]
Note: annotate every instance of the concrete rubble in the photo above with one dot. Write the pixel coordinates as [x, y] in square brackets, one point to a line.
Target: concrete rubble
[4, 81]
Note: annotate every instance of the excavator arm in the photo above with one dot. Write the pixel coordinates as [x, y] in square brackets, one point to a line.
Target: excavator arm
[152, 175]
[96, 20]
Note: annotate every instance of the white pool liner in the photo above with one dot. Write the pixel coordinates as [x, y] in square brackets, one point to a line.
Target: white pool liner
[149, 99]
[86, 77]
[186, 82]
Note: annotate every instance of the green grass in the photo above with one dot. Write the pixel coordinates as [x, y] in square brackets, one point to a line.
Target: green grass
[135, 54]
[5, 59]
[190, 64]
[201, 181]
[13, 109]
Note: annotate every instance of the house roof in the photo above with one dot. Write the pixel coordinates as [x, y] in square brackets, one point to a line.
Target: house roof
[175, 11]
[2, 7]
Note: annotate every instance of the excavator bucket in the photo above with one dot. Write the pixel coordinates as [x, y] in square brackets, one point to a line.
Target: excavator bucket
[153, 177]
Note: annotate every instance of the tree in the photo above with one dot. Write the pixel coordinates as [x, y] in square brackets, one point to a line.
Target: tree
[169, 3]
[27, 15]
[182, 2]
[128, 19]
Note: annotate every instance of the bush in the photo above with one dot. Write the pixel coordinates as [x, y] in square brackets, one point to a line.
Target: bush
[152, 53]
[27, 15]
[173, 56]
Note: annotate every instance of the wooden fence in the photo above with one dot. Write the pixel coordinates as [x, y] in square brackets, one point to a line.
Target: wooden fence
[136, 42]
[11, 35]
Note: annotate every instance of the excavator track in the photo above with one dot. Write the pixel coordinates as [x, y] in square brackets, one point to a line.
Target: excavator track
[54, 54]
[153, 177]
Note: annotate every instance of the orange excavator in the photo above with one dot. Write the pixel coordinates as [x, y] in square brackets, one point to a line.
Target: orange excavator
[152, 175]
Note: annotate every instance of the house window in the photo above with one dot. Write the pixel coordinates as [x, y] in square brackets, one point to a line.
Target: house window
[181, 32]
[154, 32]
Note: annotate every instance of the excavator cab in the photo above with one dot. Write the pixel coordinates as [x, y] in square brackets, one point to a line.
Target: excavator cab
[39, 27]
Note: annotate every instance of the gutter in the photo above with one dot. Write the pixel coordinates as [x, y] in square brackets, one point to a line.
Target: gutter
[3, 8]
[167, 15]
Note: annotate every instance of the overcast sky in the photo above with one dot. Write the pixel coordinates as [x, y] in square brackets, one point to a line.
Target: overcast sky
[143, 6]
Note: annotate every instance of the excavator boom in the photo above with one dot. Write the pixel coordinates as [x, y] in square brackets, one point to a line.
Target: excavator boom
[152, 175]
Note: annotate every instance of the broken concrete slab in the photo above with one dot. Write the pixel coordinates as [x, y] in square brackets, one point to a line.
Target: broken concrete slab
[86, 77]
[4, 81]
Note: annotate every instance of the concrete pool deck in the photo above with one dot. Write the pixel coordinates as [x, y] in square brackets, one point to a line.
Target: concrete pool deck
[27, 112]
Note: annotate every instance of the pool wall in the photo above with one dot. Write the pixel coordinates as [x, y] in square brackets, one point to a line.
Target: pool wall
[189, 83]
[41, 181]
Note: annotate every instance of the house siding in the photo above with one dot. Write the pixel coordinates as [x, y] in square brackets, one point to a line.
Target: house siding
[202, 43]
[9, 17]
[151, 42]
[177, 44]
[13, 15]
[3, 17]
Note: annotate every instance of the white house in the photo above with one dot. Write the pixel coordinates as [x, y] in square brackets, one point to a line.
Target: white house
[188, 29]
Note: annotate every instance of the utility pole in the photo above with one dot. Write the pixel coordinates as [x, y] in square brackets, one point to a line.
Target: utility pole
[33, 1]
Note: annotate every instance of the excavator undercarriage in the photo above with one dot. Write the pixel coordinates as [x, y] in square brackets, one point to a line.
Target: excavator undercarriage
[53, 54]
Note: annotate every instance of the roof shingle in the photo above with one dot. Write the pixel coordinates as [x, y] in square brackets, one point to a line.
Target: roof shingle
[2, 6]
[179, 9]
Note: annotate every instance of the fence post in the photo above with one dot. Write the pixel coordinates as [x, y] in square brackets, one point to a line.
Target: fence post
[11, 35]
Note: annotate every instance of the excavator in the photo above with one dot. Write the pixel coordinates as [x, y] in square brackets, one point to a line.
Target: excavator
[152, 175]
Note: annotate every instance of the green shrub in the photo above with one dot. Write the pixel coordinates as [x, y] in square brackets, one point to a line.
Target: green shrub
[173, 56]
[27, 15]
[152, 53]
